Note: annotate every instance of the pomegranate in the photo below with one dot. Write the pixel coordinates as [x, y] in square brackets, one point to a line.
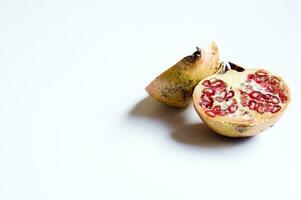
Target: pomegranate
[174, 87]
[240, 103]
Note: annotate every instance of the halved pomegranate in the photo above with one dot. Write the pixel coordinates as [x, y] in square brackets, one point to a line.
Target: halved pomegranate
[241, 103]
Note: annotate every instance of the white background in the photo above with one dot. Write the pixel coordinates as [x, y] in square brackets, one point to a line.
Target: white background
[76, 123]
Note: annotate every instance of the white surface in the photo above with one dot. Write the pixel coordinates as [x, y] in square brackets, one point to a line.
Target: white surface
[75, 120]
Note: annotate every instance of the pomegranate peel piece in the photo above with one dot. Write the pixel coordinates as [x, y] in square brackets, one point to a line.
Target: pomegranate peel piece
[174, 87]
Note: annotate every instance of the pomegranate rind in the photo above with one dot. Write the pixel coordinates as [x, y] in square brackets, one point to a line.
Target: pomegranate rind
[175, 86]
[239, 126]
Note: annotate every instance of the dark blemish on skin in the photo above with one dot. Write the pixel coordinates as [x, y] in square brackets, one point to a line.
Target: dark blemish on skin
[241, 128]
[271, 125]
[182, 90]
[186, 94]
[175, 92]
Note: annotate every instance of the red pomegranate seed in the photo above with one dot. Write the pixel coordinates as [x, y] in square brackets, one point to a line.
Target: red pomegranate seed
[218, 84]
[251, 77]
[267, 97]
[204, 97]
[270, 88]
[244, 101]
[258, 79]
[210, 113]
[206, 102]
[218, 111]
[261, 73]
[255, 95]
[283, 98]
[274, 100]
[252, 105]
[276, 108]
[274, 81]
[260, 108]
[242, 93]
[261, 79]
[233, 108]
[208, 91]
[230, 94]
[206, 83]
[268, 107]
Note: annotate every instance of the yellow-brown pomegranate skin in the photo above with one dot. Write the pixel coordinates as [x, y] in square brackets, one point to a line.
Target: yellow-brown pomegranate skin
[174, 87]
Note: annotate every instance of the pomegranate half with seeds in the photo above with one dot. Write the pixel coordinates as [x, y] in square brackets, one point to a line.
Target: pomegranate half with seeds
[239, 102]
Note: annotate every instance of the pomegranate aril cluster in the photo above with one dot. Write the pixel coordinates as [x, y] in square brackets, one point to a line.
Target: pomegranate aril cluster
[270, 96]
[216, 99]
